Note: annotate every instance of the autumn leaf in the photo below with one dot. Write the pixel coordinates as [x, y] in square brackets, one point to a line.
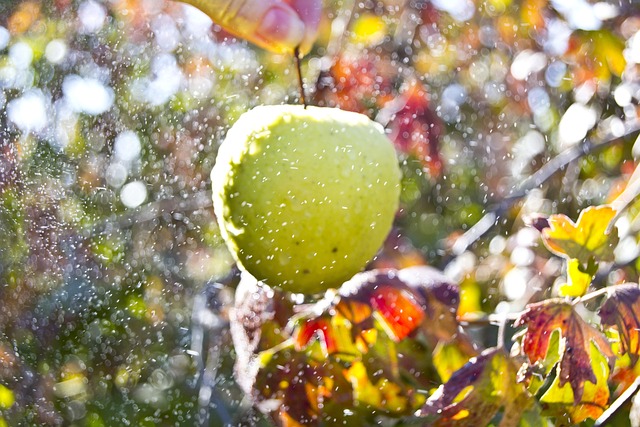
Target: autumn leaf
[401, 301]
[382, 394]
[476, 392]
[399, 310]
[594, 398]
[584, 239]
[532, 14]
[622, 311]
[368, 30]
[333, 334]
[448, 358]
[377, 313]
[295, 390]
[600, 51]
[415, 128]
[405, 299]
[395, 295]
[577, 336]
[578, 280]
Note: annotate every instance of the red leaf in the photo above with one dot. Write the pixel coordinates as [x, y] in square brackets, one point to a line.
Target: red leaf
[408, 298]
[356, 83]
[401, 300]
[288, 370]
[575, 367]
[622, 310]
[415, 129]
[399, 309]
[316, 327]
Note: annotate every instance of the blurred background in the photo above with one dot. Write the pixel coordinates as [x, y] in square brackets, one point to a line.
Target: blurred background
[114, 286]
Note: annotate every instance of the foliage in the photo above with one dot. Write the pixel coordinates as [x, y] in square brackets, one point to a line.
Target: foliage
[506, 294]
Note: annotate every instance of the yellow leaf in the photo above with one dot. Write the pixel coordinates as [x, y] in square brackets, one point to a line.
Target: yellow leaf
[394, 398]
[609, 48]
[470, 298]
[7, 398]
[369, 30]
[448, 358]
[532, 14]
[578, 280]
[587, 237]
[499, 4]
[363, 390]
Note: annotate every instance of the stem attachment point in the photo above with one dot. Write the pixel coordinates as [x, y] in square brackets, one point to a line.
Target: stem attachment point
[298, 58]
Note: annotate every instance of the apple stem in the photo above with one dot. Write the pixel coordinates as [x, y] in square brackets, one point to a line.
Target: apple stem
[298, 58]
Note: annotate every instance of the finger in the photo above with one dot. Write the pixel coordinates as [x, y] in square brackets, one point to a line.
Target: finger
[309, 12]
[272, 24]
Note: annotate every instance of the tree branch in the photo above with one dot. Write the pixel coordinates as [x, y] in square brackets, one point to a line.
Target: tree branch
[541, 176]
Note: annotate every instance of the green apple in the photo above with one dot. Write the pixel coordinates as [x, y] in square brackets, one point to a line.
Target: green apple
[305, 197]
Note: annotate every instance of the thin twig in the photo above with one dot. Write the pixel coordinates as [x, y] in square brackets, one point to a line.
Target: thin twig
[598, 293]
[491, 319]
[541, 176]
[497, 319]
[502, 329]
[618, 403]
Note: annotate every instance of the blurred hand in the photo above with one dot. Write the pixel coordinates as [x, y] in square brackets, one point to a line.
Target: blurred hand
[276, 25]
